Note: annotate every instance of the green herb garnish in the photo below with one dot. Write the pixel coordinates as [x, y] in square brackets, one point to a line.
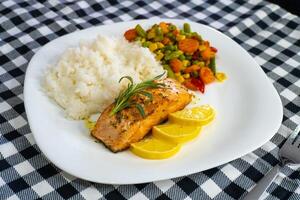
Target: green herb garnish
[124, 100]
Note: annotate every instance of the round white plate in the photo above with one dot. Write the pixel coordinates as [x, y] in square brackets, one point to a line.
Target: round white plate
[249, 112]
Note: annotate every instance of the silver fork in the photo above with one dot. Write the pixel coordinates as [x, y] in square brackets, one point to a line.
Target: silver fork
[289, 153]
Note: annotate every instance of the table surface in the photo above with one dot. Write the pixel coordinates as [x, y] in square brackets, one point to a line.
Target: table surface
[269, 33]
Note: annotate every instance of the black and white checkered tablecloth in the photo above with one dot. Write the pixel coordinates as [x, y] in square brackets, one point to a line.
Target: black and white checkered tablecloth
[270, 34]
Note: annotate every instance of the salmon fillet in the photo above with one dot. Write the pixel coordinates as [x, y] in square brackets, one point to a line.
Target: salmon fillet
[117, 132]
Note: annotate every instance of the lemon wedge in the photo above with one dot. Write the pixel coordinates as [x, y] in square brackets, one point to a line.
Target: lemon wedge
[177, 133]
[154, 148]
[197, 116]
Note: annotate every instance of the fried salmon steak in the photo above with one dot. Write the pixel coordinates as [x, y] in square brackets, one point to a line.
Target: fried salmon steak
[118, 131]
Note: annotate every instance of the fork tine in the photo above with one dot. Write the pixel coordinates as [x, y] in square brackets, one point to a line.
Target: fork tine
[297, 142]
[295, 137]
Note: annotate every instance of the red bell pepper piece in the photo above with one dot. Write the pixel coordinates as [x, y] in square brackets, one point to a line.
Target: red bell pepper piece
[199, 84]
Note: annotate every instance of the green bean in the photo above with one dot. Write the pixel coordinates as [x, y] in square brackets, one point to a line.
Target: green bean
[168, 47]
[194, 34]
[174, 54]
[140, 31]
[212, 65]
[158, 34]
[186, 28]
[181, 57]
[168, 52]
[169, 71]
[158, 31]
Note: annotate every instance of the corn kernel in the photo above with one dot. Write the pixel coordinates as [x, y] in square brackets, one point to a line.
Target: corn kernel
[143, 40]
[221, 76]
[180, 79]
[201, 64]
[180, 37]
[186, 63]
[159, 56]
[186, 75]
[151, 34]
[152, 47]
[177, 74]
[160, 45]
[202, 47]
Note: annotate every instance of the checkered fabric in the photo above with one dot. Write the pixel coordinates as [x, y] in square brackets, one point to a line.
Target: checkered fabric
[269, 33]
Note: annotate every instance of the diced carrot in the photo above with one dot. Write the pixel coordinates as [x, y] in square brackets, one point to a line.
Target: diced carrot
[164, 27]
[176, 65]
[207, 54]
[176, 32]
[166, 40]
[206, 43]
[206, 75]
[187, 83]
[188, 45]
[191, 68]
[130, 35]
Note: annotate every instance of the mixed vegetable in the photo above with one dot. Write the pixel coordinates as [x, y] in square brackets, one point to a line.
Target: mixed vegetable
[183, 53]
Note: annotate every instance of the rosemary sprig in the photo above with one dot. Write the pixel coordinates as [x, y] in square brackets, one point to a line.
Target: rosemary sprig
[124, 100]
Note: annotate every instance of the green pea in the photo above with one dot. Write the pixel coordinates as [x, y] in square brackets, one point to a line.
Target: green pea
[186, 28]
[181, 57]
[140, 31]
[195, 74]
[173, 55]
[172, 27]
[182, 32]
[168, 47]
[173, 47]
[168, 52]
[169, 34]
[145, 44]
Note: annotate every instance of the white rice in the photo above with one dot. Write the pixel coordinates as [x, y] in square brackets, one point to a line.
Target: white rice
[85, 79]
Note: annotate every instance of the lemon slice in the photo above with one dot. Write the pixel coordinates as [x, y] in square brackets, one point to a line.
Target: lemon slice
[196, 116]
[153, 148]
[177, 133]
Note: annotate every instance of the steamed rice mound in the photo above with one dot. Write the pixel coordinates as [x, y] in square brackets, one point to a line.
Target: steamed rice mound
[85, 79]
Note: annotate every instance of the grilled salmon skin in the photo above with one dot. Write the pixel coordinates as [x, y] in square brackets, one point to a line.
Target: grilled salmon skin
[118, 131]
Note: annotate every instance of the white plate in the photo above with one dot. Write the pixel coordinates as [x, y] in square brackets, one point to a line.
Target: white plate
[249, 112]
